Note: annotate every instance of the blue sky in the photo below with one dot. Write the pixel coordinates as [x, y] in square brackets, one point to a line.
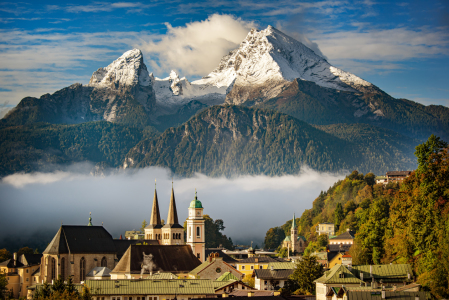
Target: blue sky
[402, 47]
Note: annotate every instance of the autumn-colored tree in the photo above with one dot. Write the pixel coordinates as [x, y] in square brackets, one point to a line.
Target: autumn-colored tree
[24, 250]
[307, 271]
[4, 255]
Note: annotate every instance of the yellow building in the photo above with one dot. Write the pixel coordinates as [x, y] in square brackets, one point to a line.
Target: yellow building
[248, 265]
[19, 273]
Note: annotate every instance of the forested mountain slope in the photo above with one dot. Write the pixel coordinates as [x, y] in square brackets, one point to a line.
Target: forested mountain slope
[231, 140]
[396, 223]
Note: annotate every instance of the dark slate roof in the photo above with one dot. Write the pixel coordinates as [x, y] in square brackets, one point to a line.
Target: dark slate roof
[167, 258]
[221, 254]
[37, 272]
[122, 245]
[275, 274]
[347, 235]
[262, 259]
[398, 173]
[10, 264]
[339, 248]
[81, 239]
[30, 259]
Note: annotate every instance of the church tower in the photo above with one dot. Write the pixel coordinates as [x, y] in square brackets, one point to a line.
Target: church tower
[195, 229]
[172, 232]
[294, 236]
[154, 230]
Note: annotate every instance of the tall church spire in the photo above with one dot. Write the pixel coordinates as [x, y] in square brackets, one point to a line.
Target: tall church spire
[294, 221]
[172, 217]
[155, 215]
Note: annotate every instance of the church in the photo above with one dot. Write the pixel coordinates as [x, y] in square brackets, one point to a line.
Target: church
[172, 233]
[294, 242]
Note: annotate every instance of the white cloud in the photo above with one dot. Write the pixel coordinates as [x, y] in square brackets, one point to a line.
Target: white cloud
[249, 205]
[197, 47]
[387, 45]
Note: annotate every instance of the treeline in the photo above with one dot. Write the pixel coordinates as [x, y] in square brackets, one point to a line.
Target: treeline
[396, 223]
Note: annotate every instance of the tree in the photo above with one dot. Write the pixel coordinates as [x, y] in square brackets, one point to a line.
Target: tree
[370, 178]
[70, 287]
[423, 151]
[144, 224]
[3, 284]
[323, 240]
[86, 293]
[306, 272]
[4, 255]
[248, 279]
[338, 214]
[274, 238]
[45, 291]
[24, 250]
[59, 285]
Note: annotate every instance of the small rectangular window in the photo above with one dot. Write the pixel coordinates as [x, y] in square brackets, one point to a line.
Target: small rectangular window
[27, 279]
[27, 270]
[252, 267]
[261, 267]
[243, 267]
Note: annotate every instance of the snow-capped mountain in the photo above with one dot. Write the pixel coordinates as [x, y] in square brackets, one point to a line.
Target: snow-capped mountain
[173, 92]
[267, 59]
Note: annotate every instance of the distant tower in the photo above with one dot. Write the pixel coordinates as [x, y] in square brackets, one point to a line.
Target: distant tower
[294, 236]
[154, 230]
[90, 219]
[172, 232]
[195, 229]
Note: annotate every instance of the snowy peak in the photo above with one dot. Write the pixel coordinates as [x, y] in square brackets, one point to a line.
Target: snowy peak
[127, 70]
[270, 55]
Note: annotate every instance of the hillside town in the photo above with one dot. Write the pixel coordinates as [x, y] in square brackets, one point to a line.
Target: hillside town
[168, 262]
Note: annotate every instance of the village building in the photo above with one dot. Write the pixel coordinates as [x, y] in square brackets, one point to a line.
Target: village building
[271, 279]
[213, 268]
[368, 293]
[141, 261]
[397, 176]
[228, 283]
[326, 228]
[372, 276]
[297, 244]
[20, 272]
[247, 266]
[346, 237]
[218, 252]
[76, 250]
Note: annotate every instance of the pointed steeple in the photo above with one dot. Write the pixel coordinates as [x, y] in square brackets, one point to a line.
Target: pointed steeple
[294, 221]
[155, 220]
[90, 219]
[172, 217]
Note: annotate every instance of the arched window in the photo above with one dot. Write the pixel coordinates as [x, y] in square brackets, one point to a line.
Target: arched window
[63, 268]
[104, 262]
[198, 231]
[53, 269]
[82, 269]
[174, 236]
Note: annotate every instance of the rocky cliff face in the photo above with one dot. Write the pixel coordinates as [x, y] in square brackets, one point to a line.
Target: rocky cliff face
[127, 77]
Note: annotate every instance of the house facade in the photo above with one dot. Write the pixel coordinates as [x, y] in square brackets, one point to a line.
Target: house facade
[326, 228]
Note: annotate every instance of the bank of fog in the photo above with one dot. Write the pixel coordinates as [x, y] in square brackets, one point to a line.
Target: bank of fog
[34, 205]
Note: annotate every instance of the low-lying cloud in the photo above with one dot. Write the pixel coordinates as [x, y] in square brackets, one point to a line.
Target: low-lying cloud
[249, 205]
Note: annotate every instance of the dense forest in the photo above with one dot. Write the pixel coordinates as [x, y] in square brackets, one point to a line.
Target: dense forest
[231, 140]
[396, 223]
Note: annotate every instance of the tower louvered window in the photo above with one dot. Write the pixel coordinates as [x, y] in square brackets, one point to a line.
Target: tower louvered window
[104, 262]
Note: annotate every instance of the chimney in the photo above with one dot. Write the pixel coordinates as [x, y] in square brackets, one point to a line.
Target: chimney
[272, 268]
[251, 294]
[370, 271]
[361, 276]
[394, 288]
[210, 257]
[408, 274]
[15, 258]
[256, 260]
[383, 294]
